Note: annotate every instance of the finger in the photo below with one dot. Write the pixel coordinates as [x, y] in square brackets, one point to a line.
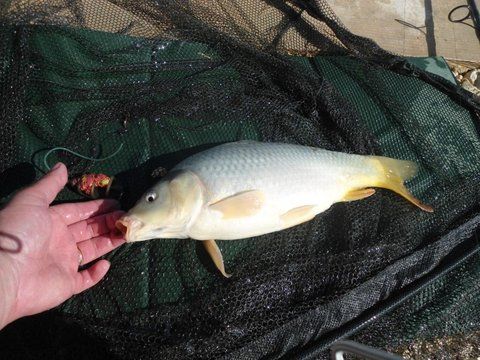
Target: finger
[94, 248]
[95, 226]
[111, 221]
[72, 213]
[44, 191]
[85, 279]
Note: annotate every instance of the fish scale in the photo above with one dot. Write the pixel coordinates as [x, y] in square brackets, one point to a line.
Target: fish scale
[265, 163]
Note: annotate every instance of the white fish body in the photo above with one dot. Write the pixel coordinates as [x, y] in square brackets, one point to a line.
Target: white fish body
[247, 188]
[285, 176]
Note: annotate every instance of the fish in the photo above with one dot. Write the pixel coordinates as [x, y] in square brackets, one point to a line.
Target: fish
[245, 189]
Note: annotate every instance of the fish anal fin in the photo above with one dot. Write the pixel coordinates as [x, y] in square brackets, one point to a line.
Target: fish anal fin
[216, 255]
[358, 194]
[240, 205]
[298, 215]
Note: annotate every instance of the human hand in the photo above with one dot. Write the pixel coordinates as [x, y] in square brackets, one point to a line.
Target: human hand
[41, 245]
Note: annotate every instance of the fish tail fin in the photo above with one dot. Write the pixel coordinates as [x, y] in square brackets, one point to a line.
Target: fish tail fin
[392, 175]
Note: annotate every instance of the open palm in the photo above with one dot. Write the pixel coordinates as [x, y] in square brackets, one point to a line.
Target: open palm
[42, 246]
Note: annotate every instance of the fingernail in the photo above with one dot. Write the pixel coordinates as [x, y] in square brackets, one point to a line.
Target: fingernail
[57, 166]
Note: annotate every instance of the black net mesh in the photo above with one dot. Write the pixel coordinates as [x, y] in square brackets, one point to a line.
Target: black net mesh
[440, 320]
[165, 79]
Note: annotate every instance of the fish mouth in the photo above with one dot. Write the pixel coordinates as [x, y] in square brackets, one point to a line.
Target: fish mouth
[128, 226]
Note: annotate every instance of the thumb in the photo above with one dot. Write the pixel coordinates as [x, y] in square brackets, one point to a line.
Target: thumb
[44, 191]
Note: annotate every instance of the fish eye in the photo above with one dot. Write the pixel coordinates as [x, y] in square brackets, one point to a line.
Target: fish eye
[151, 196]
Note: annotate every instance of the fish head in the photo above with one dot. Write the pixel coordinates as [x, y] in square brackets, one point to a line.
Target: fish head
[165, 210]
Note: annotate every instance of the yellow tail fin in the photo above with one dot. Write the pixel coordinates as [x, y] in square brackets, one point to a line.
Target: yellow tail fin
[393, 174]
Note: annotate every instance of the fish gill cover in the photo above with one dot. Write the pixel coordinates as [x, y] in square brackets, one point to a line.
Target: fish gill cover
[166, 79]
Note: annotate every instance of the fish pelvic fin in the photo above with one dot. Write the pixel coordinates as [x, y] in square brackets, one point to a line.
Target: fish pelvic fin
[298, 215]
[392, 175]
[216, 255]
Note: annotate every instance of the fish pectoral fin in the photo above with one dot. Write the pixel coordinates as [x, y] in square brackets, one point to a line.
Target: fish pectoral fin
[243, 204]
[216, 255]
[358, 194]
[298, 215]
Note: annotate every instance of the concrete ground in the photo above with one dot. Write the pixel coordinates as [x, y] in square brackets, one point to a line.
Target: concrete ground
[388, 22]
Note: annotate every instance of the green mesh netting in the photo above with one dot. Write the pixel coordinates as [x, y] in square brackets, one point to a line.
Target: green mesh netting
[168, 79]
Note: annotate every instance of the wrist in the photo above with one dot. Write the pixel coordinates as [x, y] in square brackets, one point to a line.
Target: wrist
[10, 245]
[8, 291]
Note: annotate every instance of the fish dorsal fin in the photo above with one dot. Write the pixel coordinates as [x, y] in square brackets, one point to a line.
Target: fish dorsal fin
[243, 204]
[216, 255]
[247, 141]
[358, 194]
[298, 215]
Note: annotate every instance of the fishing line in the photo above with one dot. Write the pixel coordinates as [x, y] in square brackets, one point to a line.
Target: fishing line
[45, 163]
